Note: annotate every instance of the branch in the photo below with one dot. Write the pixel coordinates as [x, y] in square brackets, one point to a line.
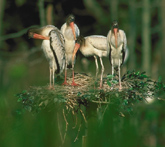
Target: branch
[66, 122]
[15, 35]
[78, 133]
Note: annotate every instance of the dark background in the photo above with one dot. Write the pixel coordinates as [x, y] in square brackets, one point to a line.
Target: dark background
[23, 64]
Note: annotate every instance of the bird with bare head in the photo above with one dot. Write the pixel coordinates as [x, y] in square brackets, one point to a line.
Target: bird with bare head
[53, 48]
[117, 44]
[94, 45]
[70, 31]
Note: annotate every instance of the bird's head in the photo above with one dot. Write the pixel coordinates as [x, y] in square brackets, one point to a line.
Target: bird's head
[70, 19]
[115, 26]
[115, 29]
[70, 22]
[79, 42]
[36, 34]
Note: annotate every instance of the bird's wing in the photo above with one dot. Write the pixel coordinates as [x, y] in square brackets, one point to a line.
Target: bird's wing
[77, 31]
[63, 27]
[97, 41]
[124, 47]
[109, 42]
[57, 47]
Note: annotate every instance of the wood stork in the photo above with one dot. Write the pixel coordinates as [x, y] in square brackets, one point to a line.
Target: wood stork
[94, 45]
[117, 44]
[70, 31]
[53, 48]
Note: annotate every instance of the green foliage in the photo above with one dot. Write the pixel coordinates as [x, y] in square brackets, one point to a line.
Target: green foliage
[105, 110]
[138, 87]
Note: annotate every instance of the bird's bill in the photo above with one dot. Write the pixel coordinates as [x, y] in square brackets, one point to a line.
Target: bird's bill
[76, 47]
[38, 36]
[115, 32]
[73, 30]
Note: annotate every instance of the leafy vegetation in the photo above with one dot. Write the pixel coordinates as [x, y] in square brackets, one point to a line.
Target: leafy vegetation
[137, 87]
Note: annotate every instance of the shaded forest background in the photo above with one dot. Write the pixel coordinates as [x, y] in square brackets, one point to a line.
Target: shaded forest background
[23, 64]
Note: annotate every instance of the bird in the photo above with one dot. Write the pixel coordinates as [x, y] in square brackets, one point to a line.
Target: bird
[93, 45]
[117, 46]
[70, 32]
[53, 48]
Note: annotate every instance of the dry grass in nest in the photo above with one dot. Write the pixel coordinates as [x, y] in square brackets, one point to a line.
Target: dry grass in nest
[136, 87]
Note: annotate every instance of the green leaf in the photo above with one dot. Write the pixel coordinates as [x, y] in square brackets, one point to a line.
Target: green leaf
[79, 94]
[24, 91]
[110, 76]
[114, 81]
[137, 73]
[19, 100]
[109, 83]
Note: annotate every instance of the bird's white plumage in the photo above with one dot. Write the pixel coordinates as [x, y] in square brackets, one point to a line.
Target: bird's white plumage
[57, 42]
[69, 41]
[117, 44]
[95, 45]
[53, 48]
[116, 53]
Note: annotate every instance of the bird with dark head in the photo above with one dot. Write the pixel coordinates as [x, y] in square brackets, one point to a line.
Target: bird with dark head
[94, 45]
[115, 30]
[70, 31]
[117, 44]
[70, 23]
[53, 48]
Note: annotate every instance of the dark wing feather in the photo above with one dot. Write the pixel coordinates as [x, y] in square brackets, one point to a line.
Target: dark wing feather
[110, 54]
[123, 53]
[57, 47]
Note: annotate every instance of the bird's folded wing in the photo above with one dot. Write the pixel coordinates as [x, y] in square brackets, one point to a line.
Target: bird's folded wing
[57, 43]
[97, 41]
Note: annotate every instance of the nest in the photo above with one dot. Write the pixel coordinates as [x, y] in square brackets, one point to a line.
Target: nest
[74, 100]
[136, 86]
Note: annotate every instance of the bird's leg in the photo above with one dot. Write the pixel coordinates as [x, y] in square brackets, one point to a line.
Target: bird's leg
[120, 87]
[97, 67]
[50, 84]
[53, 77]
[73, 82]
[65, 81]
[102, 71]
[112, 69]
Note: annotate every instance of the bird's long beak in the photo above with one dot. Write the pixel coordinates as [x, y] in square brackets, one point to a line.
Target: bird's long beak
[115, 32]
[38, 36]
[76, 47]
[73, 30]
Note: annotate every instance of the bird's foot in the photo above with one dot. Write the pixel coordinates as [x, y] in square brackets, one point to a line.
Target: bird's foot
[65, 83]
[51, 88]
[101, 87]
[120, 87]
[74, 84]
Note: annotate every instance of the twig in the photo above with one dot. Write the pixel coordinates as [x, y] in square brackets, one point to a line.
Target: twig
[100, 102]
[66, 126]
[59, 128]
[104, 113]
[83, 115]
[77, 133]
[75, 123]
[15, 35]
